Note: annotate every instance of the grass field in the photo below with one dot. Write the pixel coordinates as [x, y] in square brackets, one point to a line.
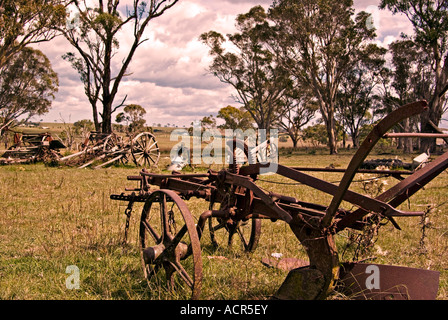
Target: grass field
[56, 217]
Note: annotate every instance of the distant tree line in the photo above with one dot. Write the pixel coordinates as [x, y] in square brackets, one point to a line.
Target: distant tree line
[297, 61]
[305, 59]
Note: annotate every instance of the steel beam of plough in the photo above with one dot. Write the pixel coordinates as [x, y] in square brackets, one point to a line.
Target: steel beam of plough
[415, 135]
[338, 170]
[247, 183]
[355, 198]
[374, 136]
[402, 190]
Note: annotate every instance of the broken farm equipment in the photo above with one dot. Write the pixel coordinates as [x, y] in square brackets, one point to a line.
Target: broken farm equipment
[30, 148]
[169, 236]
[106, 148]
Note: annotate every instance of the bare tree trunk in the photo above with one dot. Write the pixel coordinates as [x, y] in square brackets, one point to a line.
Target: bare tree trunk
[408, 146]
[355, 140]
[331, 130]
[432, 115]
[294, 143]
[107, 119]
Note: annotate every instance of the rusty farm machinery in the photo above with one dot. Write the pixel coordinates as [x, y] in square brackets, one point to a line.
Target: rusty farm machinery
[104, 148]
[169, 236]
[98, 150]
[29, 148]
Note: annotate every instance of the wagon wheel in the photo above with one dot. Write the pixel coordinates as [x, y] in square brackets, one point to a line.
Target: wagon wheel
[168, 236]
[113, 143]
[224, 231]
[145, 151]
[110, 143]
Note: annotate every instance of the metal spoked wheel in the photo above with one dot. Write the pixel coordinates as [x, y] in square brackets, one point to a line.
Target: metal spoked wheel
[145, 150]
[224, 231]
[168, 238]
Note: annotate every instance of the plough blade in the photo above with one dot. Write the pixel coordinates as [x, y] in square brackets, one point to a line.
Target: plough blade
[364, 281]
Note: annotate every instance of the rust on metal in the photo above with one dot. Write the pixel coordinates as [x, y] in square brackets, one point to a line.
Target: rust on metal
[237, 202]
[110, 148]
[99, 147]
[31, 148]
[167, 237]
[415, 135]
[364, 281]
[372, 138]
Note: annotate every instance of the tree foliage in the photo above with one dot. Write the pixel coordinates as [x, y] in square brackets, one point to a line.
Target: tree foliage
[235, 118]
[357, 95]
[429, 19]
[299, 109]
[27, 85]
[251, 68]
[319, 39]
[83, 127]
[133, 116]
[94, 38]
[409, 79]
[26, 22]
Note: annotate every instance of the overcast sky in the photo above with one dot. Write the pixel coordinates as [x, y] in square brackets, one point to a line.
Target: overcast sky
[169, 71]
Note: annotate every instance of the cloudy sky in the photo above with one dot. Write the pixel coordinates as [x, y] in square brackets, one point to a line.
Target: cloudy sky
[169, 71]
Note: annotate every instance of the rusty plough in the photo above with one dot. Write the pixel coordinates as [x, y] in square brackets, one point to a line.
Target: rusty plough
[169, 237]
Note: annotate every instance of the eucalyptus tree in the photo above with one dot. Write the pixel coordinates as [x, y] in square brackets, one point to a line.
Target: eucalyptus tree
[133, 116]
[25, 22]
[300, 107]
[93, 33]
[358, 90]
[28, 84]
[235, 118]
[429, 19]
[245, 61]
[319, 40]
[409, 79]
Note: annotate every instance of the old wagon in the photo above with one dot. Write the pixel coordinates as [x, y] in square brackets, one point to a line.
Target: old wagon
[104, 148]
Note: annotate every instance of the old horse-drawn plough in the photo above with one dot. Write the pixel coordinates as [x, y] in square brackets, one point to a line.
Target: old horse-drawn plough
[169, 236]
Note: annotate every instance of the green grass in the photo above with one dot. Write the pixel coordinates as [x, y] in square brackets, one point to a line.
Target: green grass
[57, 217]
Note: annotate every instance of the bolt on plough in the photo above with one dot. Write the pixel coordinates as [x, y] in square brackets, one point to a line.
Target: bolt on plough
[169, 237]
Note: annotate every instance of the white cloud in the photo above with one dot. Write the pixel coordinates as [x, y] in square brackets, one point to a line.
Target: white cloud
[169, 71]
[388, 26]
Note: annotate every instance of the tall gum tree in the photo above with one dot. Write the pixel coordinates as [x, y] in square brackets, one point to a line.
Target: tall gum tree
[250, 67]
[358, 90]
[319, 39]
[429, 19]
[93, 35]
